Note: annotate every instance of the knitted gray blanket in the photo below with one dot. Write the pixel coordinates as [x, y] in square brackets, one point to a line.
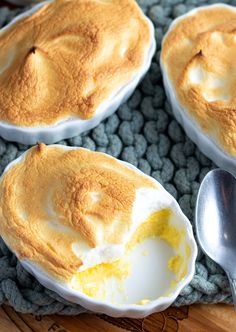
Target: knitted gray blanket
[144, 133]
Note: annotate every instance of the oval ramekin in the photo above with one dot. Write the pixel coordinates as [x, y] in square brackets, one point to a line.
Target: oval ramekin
[74, 125]
[101, 306]
[205, 143]
[23, 2]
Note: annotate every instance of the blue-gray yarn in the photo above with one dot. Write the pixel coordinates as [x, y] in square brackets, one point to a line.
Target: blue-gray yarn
[144, 133]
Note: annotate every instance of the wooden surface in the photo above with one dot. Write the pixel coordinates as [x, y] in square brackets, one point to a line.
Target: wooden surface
[196, 318]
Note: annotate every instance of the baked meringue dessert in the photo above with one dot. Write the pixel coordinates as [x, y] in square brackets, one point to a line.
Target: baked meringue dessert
[65, 60]
[198, 61]
[95, 226]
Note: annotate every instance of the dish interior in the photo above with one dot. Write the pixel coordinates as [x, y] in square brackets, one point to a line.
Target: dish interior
[156, 259]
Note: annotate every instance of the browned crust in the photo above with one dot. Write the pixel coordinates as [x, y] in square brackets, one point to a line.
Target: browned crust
[67, 59]
[54, 184]
[206, 39]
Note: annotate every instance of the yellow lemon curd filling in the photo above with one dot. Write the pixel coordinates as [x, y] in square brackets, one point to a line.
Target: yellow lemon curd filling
[92, 281]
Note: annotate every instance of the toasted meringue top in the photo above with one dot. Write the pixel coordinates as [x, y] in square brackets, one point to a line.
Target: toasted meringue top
[199, 54]
[57, 202]
[68, 58]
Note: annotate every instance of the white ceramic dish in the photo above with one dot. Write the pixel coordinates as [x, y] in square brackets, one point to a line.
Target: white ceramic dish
[74, 125]
[205, 143]
[150, 277]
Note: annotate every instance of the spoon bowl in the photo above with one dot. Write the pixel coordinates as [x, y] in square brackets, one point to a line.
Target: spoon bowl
[216, 221]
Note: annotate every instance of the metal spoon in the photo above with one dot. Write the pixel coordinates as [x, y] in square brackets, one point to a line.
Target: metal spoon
[216, 221]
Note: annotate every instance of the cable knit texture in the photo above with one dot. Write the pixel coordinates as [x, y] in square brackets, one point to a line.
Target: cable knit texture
[144, 133]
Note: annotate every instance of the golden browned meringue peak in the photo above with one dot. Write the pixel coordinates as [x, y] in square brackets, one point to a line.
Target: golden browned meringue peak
[199, 54]
[68, 58]
[56, 197]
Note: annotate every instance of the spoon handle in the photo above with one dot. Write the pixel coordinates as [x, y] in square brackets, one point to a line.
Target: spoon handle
[232, 283]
